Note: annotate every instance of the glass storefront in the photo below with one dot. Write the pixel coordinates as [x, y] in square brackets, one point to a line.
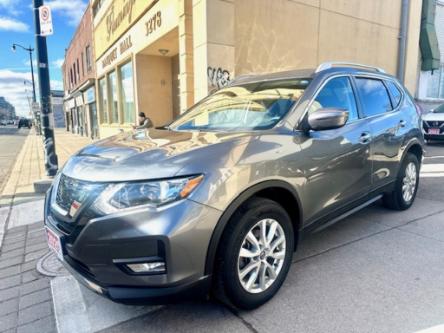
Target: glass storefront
[103, 100]
[127, 92]
[112, 80]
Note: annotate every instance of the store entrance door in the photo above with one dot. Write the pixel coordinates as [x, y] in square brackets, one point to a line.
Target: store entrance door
[157, 79]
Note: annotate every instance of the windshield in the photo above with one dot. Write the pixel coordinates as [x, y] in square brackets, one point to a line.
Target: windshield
[439, 109]
[251, 106]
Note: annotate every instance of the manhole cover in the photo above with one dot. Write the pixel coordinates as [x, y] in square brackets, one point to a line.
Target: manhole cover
[49, 265]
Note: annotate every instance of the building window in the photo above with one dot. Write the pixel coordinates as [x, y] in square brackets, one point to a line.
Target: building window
[83, 65]
[78, 70]
[435, 87]
[74, 72]
[112, 85]
[103, 101]
[88, 58]
[71, 83]
[127, 92]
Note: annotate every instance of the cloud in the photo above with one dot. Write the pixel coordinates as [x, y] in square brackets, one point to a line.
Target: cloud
[10, 6]
[6, 3]
[72, 9]
[56, 85]
[19, 94]
[27, 63]
[14, 90]
[11, 24]
[57, 63]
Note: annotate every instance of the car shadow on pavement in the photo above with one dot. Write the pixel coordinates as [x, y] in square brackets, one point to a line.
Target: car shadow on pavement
[203, 316]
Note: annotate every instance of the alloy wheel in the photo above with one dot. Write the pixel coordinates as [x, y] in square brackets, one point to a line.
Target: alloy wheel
[409, 182]
[261, 256]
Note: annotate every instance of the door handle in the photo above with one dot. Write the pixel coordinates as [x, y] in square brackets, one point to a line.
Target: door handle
[365, 137]
[402, 123]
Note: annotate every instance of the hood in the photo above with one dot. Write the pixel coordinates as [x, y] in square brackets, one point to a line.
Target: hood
[433, 116]
[148, 154]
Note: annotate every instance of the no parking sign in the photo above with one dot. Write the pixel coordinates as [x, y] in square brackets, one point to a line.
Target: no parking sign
[45, 21]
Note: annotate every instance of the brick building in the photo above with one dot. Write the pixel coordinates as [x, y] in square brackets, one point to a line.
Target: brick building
[79, 80]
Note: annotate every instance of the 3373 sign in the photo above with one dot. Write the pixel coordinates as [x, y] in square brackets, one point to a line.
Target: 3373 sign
[153, 23]
[45, 19]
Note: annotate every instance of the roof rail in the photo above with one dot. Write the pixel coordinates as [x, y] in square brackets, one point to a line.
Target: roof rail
[330, 64]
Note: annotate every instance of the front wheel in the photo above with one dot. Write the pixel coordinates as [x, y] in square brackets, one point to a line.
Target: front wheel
[406, 185]
[255, 254]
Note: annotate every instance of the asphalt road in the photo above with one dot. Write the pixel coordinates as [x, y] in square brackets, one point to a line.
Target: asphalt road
[376, 271]
[11, 141]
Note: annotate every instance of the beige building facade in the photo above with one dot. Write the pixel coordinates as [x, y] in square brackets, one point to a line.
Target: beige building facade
[160, 57]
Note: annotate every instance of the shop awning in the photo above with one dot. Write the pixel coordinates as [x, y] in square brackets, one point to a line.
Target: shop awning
[428, 41]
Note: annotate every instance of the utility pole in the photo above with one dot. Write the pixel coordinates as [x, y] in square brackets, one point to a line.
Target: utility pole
[51, 161]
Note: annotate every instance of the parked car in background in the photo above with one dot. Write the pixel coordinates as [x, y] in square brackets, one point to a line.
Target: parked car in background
[218, 200]
[433, 124]
[24, 122]
[3, 122]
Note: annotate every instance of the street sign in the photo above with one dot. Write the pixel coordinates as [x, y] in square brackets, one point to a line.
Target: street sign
[45, 21]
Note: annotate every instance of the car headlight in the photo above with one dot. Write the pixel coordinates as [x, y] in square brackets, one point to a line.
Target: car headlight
[125, 195]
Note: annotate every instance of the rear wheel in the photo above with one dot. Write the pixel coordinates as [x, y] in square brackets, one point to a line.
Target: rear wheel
[255, 254]
[406, 185]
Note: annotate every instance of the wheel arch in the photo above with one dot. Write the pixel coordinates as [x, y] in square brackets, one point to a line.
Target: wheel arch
[416, 149]
[288, 198]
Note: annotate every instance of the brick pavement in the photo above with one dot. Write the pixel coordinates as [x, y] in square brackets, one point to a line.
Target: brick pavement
[25, 296]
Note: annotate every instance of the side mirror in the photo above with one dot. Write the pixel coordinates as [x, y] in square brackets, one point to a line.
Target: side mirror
[327, 118]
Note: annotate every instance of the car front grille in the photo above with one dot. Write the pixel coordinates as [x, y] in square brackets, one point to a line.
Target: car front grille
[70, 190]
[434, 124]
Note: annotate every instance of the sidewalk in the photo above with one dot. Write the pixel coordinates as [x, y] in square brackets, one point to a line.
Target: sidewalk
[25, 296]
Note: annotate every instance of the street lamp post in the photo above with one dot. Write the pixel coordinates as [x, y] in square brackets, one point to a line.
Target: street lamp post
[34, 98]
[30, 50]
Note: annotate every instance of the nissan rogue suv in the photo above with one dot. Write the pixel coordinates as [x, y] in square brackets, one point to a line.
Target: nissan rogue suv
[217, 201]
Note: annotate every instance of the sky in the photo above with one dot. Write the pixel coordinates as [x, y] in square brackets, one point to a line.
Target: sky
[17, 26]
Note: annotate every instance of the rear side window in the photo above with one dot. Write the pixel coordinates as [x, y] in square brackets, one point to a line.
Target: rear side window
[337, 93]
[395, 93]
[374, 96]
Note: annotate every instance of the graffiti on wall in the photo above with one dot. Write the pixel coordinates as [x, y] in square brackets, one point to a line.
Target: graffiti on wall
[218, 77]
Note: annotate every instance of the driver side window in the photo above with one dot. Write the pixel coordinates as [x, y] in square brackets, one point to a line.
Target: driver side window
[338, 94]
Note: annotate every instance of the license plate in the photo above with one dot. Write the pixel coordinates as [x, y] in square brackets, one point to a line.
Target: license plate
[434, 131]
[54, 243]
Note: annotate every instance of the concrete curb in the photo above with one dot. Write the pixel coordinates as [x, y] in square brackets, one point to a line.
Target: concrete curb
[80, 310]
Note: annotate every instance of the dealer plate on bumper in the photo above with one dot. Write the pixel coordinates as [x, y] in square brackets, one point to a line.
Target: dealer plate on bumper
[434, 131]
[54, 243]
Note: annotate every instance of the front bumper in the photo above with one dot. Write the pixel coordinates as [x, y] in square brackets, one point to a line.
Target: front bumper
[434, 136]
[145, 295]
[179, 234]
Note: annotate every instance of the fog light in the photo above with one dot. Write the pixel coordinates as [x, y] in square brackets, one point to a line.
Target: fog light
[147, 267]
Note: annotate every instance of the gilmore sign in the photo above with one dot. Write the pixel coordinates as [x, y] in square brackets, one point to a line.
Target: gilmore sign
[153, 25]
[119, 16]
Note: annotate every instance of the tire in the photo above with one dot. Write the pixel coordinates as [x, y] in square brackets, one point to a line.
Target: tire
[230, 288]
[396, 200]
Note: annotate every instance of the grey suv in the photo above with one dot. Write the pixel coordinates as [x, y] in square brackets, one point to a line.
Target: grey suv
[218, 200]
